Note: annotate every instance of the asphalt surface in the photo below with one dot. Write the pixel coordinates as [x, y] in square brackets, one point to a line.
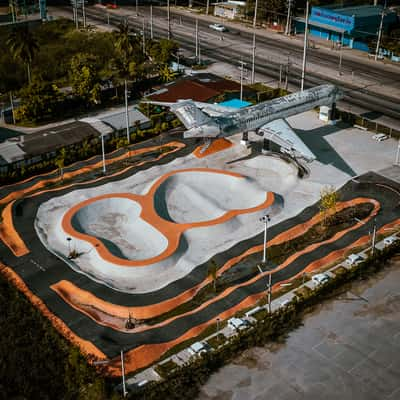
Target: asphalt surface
[40, 269]
[214, 49]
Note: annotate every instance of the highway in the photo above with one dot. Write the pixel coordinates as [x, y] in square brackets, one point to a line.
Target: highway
[270, 55]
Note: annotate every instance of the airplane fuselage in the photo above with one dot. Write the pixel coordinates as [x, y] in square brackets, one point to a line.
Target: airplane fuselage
[254, 117]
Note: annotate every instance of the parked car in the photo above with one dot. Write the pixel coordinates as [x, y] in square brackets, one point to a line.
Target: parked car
[198, 348]
[372, 55]
[218, 27]
[353, 259]
[379, 137]
[238, 323]
[319, 279]
[390, 240]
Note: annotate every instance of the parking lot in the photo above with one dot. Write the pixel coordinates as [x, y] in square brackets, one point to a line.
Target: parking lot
[347, 349]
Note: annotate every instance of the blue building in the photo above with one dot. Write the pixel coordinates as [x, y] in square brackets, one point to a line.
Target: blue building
[352, 26]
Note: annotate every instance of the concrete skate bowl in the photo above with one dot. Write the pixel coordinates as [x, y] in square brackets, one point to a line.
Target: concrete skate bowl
[134, 230]
[198, 196]
[116, 223]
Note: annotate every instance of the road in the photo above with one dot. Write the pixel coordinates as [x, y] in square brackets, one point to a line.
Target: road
[373, 87]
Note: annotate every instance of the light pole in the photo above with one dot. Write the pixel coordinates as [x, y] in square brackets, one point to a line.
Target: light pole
[303, 69]
[269, 287]
[340, 55]
[69, 245]
[207, 6]
[255, 14]
[397, 153]
[287, 28]
[253, 58]
[373, 239]
[83, 14]
[128, 137]
[197, 38]
[266, 218]
[124, 392]
[242, 64]
[380, 33]
[144, 37]
[151, 22]
[103, 154]
[168, 20]
[12, 108]
[217, 324]
[137, 8]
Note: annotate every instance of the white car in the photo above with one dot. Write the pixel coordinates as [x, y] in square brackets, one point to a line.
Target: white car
[218, 27]
[319, 279]
[238, 323]
[353, 259]
[379, 137]
[390, 240]
[198, 348]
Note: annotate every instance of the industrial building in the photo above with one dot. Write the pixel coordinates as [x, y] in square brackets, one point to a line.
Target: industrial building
[354, 27]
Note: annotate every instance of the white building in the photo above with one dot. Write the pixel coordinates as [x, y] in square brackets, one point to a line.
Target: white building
[228, 9]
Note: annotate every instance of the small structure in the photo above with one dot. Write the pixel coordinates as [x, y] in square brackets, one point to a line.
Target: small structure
[228, 9]
[350, 26]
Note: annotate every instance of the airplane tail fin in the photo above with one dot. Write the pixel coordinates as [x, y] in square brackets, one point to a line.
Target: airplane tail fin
[186, 110]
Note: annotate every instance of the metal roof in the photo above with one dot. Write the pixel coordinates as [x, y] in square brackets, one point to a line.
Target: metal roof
[320, 25]
[358, 11]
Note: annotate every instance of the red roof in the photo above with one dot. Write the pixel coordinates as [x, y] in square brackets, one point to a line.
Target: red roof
[186, 89]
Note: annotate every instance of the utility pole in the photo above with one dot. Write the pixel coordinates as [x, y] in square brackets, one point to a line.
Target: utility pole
[398, 153]
[128, 136]
[144, 38]
[266, 218]
[255, 14]
[340, 55]
[373, 237]
[103, 155]
[83, 14]
[287, 28]
[137, 8]
[303, 69]
[280, 76]
[12, 107]
[269, 291]
[207, 6]
[197, 38]
[242, 64]
[76, 15]
[378, 43]
[253, 58]
[151, 21]
[287, 74]
[168, 20]
[124, 392]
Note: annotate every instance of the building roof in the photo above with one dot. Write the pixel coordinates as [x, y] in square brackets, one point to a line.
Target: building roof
[328, 27]
[358, 11]
[235, 103]
[44, 141]
[118, 119]
[200, 87]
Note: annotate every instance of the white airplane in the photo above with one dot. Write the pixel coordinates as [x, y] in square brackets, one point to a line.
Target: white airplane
[267, 118]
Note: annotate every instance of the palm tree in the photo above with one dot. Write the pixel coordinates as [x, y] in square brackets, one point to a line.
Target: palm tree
[166, 74]
[23, 46]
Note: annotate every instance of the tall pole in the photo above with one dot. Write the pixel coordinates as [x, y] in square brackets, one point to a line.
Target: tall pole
[197, 38]
[168, 20]
[253, 59]
[207, 6]
[340, 55]
[287, 74]
[137, 7]
[83, 13]
[151, 21]
[269, 291]
[287, 28]
[12, 107]
[103, 154]
[255, 14]
[242, 64]
[124, 392]
[265, 219]
[373, 237]
[378, 43]
[128, 136]
[303, 69]
[398, 153]
[144, 38]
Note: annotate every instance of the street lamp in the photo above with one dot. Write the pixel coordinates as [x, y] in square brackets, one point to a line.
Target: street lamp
[103, 154]
[69, 245]
[242, 64]
[373, 233]
[266, 218]
[218, 324]
[269, 287]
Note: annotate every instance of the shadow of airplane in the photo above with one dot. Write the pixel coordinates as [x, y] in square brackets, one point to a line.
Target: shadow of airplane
[315, 140]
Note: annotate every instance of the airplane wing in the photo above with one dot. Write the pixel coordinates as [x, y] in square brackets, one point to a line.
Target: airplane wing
[281, 133]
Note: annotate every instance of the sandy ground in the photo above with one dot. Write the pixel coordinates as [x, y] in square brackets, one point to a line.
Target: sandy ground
[347, 349]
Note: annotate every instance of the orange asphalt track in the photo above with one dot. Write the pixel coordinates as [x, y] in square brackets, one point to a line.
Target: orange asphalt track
[10, 236]
[115, 316]
[216, 146]
[171, 230]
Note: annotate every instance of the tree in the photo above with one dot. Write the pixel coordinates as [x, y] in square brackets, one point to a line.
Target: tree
[85, 78]
[166, 73]
[327, 204]
[160, 52]
[60, 161]
[212, 273]
[23, 46]
[38, 101]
